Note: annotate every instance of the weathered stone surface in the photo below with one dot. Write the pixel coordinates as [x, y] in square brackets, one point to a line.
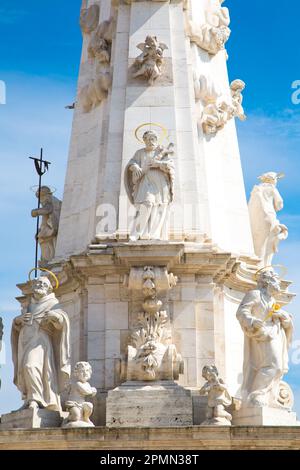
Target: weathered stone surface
[31, 418]
[188, 438]
[264, 416]
[139, 404]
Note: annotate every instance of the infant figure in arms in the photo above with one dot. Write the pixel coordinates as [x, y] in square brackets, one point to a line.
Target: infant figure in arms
[149, 182]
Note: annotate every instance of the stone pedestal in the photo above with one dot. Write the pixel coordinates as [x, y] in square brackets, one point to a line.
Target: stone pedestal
[145, 404]
[264, 416]
[30, 418]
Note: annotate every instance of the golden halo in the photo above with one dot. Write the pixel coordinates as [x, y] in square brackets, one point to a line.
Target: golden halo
[163, 131]
[282, 274]
[46, 271]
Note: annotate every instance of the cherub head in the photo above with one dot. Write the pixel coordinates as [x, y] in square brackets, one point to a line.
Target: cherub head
[83, 371]
[237, 86]
[210, 373]
[152, 42]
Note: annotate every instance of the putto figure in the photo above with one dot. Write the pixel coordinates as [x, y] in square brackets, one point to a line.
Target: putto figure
[149, 181]
[149, 62]
[214, 32]
[268, 334]
[218, 398]
[265, 202]
[237, 87]
[50, 213]
[79, 409]
[40, 349]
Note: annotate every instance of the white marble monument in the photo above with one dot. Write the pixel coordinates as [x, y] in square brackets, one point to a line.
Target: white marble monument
[41, 357]
[264, 204]
[154, 186]
[268, 331]
[218, 398]
[79, 390]
[50, 213]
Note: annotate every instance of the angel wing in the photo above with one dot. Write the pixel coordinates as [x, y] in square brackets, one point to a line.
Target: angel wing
[163, 46]
[141, 46]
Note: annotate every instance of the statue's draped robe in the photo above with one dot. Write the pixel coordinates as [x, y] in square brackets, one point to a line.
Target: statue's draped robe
[49, 228]
[41, 354]
[265, 201]
[154, 188]
[265, 350]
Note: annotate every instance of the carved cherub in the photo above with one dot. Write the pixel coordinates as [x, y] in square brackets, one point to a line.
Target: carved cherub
[236, 87]
[218, 398]
[79, 409]
[149, 63]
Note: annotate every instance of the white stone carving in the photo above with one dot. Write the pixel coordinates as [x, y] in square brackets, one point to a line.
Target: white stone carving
[265, 202]
[79, 409]
[50, 213]
[218, 398]
[236, 88]
[268, 334]
[218, 108]
[89, 18]
[150, 62]
[41, 349]
[213, 34]
[149, 181]
[91, 95]
[99, 53]
[151, 355]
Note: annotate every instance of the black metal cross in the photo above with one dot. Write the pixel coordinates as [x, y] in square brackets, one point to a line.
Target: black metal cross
[41, 166]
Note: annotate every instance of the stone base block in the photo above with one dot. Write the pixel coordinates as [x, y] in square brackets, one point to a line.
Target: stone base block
[264, 416]
[31, 418]
[144, 404]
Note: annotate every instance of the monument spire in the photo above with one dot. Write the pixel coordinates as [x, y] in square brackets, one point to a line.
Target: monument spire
[154, 248]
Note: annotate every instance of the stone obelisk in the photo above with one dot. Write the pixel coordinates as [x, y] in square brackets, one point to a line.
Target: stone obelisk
[154, 250]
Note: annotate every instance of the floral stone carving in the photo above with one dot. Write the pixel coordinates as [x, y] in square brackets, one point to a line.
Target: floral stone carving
[151, 355]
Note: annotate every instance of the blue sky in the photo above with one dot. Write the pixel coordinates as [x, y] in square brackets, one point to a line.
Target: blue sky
[39, 58]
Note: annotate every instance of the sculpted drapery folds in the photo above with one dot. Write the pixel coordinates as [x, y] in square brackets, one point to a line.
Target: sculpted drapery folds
[268, 334]
[149, 182]
[50, 213]
[267, 231]
[40, 349]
